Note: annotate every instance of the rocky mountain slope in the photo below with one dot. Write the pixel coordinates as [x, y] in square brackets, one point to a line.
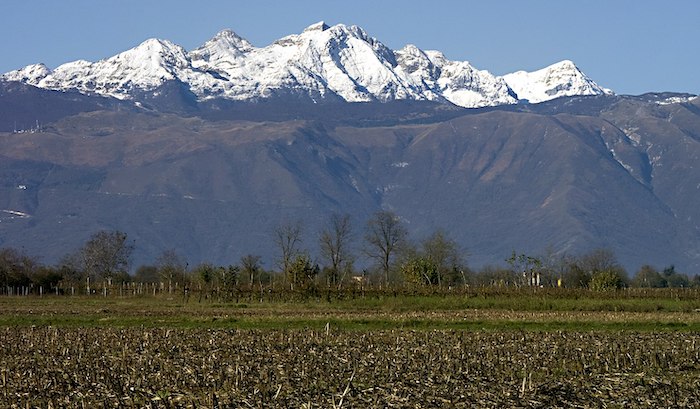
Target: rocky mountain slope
[564, 176]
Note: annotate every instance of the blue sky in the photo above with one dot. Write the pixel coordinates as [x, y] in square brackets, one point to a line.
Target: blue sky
[630, 46]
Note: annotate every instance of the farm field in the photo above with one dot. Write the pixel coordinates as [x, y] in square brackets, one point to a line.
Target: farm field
[519, 349]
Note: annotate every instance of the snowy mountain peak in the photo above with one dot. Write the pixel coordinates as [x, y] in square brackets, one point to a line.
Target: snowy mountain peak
[153, 53]
[320, 26]
[416, 63]
[557, 80]
[564, 65]
[334, 62]
[229, 38]
[320, 33]
[221, 52]
[410, 51]
[145, 66]
[31, 74]
[341, 60]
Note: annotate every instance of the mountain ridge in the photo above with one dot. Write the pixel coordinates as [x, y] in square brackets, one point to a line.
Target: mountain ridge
[321, 63]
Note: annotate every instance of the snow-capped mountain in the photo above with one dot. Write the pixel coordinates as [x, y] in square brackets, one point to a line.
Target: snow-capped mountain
[456, 81]
[31, 74]
[338, 62]
[562, 79]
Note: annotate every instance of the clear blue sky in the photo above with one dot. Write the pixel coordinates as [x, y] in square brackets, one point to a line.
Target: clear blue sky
[630, 46]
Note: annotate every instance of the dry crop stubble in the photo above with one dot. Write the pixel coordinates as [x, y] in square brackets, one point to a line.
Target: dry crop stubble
[157, 368]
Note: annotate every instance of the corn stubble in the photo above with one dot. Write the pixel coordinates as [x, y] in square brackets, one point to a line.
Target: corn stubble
[166, 368]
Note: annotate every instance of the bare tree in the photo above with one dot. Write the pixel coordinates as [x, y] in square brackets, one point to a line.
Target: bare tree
[445, 254]
[171, 268]
[598, 260]
[105, 254]
[334, 242]
[288, 239]
[250, 268]
[384, 235]
[555, 265]
[527, 266]
[71, 266]
[582, 269]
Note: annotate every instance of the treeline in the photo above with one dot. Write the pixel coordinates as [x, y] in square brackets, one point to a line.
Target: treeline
[398, 264]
